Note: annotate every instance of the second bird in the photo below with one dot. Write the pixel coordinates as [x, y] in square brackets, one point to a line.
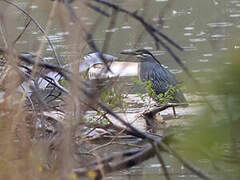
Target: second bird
[160, 77]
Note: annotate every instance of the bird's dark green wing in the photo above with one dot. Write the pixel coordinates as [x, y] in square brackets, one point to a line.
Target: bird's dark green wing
[161, 78]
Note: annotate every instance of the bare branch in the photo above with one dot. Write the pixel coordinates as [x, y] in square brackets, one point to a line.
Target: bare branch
[99, 10]
[20, 35]
[40, 28]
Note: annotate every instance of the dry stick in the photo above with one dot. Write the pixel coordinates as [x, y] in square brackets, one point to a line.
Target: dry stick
[139, 133]
[110, 142]
[133, 160]
[139, 35]
[135, 157]
[40, 28]
[27, 77]
[161, 13]
[145, 7]
[100, 146]
[49, 80]
[157, 152]
[109, 34]
[20, 35]
[99, 10]
[127, 153]
[98, 119]
[184, 162]
[3, 36]
[159, 109]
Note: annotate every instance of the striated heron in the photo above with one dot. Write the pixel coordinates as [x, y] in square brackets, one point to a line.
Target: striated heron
[151, 69]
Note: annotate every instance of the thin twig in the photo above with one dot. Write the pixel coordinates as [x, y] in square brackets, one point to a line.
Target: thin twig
[109, 34]
[99, 10]
[20, 35]
[196, 171]
[40, 28]
[160, 159]
[159, 109]
[29, 60]
[2, 35]
[136, 158]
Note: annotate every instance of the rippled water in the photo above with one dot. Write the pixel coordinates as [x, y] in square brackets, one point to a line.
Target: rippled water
[206, 29]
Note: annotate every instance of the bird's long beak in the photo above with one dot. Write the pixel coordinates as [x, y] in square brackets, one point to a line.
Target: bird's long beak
[134, 53]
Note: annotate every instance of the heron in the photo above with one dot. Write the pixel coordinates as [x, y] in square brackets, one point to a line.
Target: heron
[150, 69]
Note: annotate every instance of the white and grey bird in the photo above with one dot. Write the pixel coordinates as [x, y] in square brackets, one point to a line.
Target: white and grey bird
[88, 61]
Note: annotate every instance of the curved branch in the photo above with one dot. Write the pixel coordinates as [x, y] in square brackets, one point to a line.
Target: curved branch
[40, 28]
[23, 31]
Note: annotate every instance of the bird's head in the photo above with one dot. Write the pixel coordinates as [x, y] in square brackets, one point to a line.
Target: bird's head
[142, 54]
